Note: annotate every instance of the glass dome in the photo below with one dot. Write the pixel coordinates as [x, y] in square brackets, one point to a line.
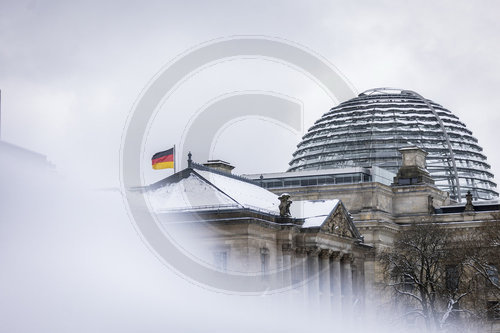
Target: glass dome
[368, 131]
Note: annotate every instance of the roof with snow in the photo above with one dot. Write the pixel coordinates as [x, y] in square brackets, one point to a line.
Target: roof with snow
[203, 188]
[199, 188]
[314, 212]
[328, 215]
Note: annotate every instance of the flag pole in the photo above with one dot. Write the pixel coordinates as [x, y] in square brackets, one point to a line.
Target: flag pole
[175, 156]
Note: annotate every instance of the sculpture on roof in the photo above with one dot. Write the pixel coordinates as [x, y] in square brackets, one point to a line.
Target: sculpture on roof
[469, 207]
[285, 203]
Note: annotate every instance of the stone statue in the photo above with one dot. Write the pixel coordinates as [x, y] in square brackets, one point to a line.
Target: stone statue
[469, 207]
[285, 203]
[430, 204]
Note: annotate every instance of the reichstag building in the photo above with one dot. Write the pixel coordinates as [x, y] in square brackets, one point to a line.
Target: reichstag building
[365, 172]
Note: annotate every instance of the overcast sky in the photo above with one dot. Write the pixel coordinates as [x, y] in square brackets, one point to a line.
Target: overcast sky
[71, 71]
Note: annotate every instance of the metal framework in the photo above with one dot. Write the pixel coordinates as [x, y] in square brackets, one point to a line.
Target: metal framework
[368, 131]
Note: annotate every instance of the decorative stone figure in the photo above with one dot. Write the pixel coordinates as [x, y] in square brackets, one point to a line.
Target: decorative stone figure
[469, 207]
[338, 225]
[285, 203]
[430, 204]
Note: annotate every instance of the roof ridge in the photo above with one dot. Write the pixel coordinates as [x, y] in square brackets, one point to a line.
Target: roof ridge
[198, 166]
[217, 188]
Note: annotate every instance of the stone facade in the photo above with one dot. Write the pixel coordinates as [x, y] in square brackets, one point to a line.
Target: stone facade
[331, 264]
[324, 265]
[380, 211]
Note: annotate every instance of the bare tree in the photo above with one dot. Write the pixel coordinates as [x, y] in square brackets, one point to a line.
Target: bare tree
[481, 255]
[482, 250]
[438, 277]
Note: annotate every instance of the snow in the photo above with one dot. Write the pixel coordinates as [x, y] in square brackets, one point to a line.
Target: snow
[191, 192]
[246, 194]
[314, 211]
[194, 192]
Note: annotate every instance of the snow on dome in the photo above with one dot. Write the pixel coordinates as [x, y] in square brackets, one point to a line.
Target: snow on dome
[368, 131]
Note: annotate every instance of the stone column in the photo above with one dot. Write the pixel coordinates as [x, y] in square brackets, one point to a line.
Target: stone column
[300, 271]
[360, 289]
[369, 280]
[335, 282]
[324, 280]
[287, 250]
[346, 283]
[313, 276]
[355, 280]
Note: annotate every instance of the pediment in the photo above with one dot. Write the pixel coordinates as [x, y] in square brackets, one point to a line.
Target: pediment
[339, 223]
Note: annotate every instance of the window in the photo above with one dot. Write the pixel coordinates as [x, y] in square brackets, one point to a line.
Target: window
[220, 260]
[407, 283]
[292, 182]
[493, 308]
[343, 180]
[404, 181]
[264, 260]
[322, 180]
[308, 181]
[452, 277]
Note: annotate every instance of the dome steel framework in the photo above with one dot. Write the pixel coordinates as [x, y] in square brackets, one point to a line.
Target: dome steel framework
[368, 131]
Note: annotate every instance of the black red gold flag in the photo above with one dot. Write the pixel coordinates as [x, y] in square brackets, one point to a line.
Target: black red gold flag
[163, 159]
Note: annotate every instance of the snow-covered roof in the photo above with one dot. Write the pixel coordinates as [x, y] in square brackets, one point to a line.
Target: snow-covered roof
[314, 212]
[201, 189]
[188, 193]
[246, 194]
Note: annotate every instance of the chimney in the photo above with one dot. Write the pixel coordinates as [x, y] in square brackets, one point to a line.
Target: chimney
[414, 169]
[219, 165]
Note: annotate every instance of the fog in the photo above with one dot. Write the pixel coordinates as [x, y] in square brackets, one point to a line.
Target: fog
[72, 258]
[72, 261]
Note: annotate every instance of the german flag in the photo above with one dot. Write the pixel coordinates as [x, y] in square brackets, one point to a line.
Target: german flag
[163, 159]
